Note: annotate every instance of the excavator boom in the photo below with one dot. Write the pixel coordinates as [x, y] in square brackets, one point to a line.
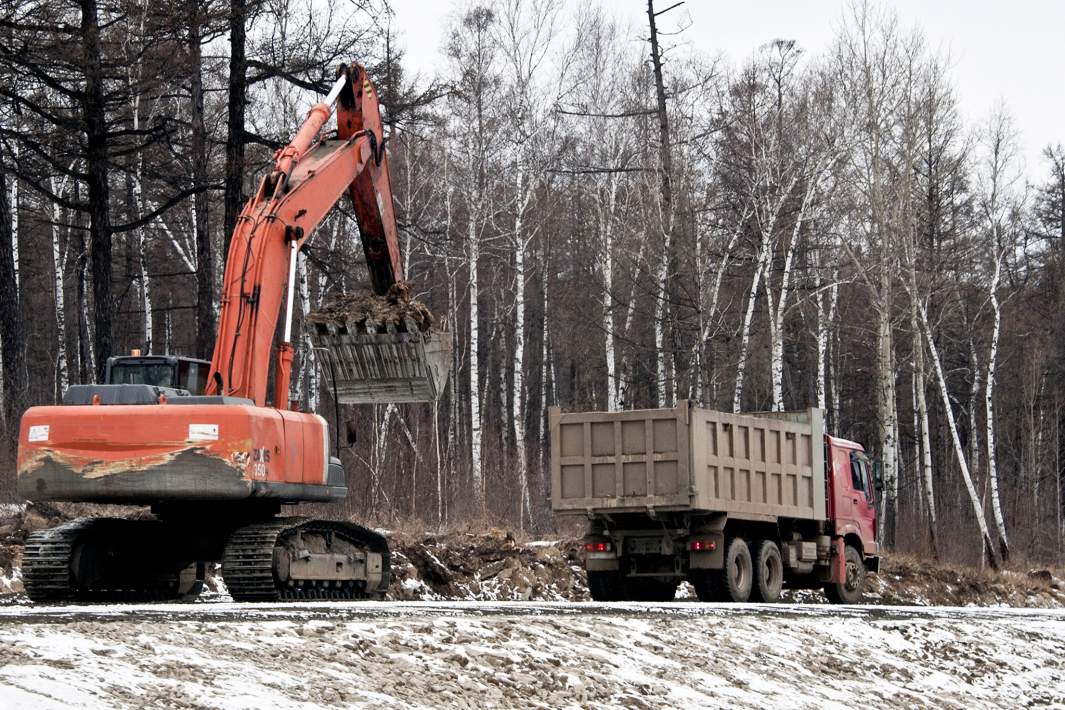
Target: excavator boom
[309, 177]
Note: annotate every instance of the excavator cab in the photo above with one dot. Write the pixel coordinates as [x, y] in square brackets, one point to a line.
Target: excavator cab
[182, 373]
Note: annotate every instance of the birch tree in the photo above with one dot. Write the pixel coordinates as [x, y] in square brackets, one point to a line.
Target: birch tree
[877, 68]
[998, 177]
[473, 51]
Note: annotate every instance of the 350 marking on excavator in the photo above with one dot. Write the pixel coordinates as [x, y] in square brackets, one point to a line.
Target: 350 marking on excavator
[260, 458]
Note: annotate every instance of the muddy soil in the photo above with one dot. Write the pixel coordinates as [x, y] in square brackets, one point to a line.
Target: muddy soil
[368, 312]
[527, 655]
[494, 566]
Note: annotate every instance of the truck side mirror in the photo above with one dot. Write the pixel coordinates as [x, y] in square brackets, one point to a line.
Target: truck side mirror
[878, 474]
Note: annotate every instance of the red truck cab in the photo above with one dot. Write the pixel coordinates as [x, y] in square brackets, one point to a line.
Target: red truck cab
[851, 494]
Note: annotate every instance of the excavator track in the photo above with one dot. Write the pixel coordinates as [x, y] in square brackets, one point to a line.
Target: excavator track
[46, 571]
[105, 559]
[250, 566]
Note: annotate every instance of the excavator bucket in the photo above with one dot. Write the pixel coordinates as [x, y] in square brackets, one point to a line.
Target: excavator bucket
[379, 368]
[382, 349]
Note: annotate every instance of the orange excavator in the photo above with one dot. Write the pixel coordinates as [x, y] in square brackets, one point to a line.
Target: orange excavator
[199, 442]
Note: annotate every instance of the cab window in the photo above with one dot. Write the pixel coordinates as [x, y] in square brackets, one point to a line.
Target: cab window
[858, 477]
[140, 373]
[192, 376]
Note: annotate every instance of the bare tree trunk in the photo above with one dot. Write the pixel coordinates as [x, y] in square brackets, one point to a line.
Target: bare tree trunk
[745, 332]
[453, 431]
[86, 358]
[711, 310]
[97, 168]
[989, 411]
[832, 384]
[664, 388]
[135, 208]
[475, 384]
[545, 370]
[12, 333]
[234, 177]
[59, 261]
[517, 413]
[886, 409]
[981, 520]
[821, 303]
[924, 437]
[439, 465]
[779, 309]
[606, 268]
[13, 205]
[974, 394]
[205, 314]
[309, 361]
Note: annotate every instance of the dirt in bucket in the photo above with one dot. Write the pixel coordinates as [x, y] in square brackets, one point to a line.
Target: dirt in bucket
[397, 308]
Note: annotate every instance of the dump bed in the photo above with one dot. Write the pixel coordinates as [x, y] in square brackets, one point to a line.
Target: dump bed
[755, 466]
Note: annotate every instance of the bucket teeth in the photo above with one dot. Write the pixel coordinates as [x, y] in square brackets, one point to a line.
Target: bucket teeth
[382, 348]
[386, 366]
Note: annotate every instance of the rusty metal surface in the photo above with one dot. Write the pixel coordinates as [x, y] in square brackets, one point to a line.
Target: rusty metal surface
[191, 474]
[755, 466]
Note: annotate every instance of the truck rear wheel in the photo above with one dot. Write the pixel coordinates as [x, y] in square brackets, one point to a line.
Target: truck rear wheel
[768, 572]
[735, 580]
[850, 590]
[604, 586]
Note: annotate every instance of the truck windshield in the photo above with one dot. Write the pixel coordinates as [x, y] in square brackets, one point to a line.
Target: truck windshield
[158, 375]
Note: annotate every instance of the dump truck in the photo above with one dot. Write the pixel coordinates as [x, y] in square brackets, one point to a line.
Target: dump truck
[204, 444]
[740, 505]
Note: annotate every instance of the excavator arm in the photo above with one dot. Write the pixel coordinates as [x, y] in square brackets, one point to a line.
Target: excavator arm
[310, 175]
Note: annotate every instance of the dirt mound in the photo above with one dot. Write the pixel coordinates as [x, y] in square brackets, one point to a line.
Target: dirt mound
[362, 312]
[908, 581]
[494, 566]
[484, 566]
[17, 521]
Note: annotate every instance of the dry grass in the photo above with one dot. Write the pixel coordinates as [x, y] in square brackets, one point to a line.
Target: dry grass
[905, 579]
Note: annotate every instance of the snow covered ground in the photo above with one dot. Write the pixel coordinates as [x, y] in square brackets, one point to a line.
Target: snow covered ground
[530, 655]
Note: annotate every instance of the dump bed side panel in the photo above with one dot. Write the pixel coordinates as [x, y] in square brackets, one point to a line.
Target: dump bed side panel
[611, 460]
[755, 466]
[769, 465]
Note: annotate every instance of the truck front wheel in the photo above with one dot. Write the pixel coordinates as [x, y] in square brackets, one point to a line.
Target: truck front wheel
[848, 591]
[768, 572]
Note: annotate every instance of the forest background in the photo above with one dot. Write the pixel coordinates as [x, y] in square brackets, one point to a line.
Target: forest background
[601, 223]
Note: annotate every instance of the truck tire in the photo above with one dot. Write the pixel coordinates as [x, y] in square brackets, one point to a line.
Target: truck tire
[735, 580]
[768, 572]
[605, 586]
[850, 590]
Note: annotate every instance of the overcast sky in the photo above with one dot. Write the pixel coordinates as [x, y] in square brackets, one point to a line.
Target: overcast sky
[1008, 50]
